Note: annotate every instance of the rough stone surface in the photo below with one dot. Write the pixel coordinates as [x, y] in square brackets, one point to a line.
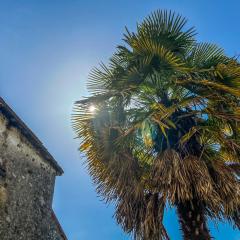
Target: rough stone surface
[26, 192]
[56, 231]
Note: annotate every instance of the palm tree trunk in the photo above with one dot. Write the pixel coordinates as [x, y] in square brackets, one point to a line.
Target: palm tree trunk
[192, 221]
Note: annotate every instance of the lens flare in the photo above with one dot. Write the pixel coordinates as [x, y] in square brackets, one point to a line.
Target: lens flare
[92, 108]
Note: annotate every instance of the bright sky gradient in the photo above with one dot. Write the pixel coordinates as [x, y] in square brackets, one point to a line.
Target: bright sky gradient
[47, 49]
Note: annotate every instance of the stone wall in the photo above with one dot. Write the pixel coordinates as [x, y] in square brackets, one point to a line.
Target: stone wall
[26, 191]
[56, 231]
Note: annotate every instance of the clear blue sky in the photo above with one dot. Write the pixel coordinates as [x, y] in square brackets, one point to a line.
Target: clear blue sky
[47, 49]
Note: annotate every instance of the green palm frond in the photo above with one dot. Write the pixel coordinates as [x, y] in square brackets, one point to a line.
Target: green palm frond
[205, 56]
[165, 28]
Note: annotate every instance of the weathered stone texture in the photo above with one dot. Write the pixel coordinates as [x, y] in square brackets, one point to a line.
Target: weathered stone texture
[56, 231]
[26, 191]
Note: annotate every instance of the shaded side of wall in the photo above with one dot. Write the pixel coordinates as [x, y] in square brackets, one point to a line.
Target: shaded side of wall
[26, 189]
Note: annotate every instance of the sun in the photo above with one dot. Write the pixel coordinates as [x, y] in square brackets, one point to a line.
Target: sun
[92, 108]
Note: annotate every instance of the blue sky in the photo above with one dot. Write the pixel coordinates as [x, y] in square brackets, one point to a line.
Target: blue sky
[47, 49]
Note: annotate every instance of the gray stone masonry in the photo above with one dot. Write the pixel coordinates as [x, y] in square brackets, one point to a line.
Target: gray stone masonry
[27, 180]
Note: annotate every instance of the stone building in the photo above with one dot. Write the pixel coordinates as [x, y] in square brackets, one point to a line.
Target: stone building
[27, 177]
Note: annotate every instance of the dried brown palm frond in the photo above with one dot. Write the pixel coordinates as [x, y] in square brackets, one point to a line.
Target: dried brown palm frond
[142, 213]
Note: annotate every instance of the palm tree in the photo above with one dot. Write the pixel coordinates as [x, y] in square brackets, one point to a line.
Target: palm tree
[162, 127]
